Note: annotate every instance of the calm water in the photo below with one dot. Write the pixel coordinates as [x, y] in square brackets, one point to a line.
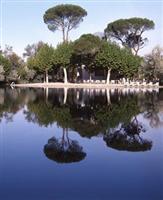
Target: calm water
[81, 144]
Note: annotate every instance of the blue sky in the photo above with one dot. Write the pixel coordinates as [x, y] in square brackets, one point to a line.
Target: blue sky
[22, 20]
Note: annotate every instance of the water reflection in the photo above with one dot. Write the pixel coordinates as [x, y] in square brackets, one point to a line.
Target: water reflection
[111, 114]
[64, 150]
[152, 106]
[81, 144]
[128, 138]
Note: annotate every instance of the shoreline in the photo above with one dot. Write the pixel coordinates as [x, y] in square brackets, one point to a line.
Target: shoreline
[78, 85]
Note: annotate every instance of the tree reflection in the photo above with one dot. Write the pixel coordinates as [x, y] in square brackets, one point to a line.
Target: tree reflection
[150, 105]
[110, 116]
[39, 112]
[11, 101]
[64, 150]
[107, 114]
[128, 138]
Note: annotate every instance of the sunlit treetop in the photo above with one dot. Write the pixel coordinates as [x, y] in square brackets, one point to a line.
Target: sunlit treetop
[64, 17]
[129, 32]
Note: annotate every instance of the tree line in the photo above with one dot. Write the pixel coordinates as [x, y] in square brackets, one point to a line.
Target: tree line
[115, 49]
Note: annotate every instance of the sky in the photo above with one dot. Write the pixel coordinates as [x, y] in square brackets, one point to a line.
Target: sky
[21, 21]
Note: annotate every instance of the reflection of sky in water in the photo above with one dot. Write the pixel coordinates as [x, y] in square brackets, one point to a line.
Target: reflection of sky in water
[105, 173]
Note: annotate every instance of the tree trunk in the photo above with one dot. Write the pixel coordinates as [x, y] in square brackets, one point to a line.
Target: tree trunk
[108, 76]
[63, 137]
[68, 140]
[90, 76]
[65, 75]
[65, 95]
[63, 32]
[108, 95]
[46, 76]
[66, 39]
[135, 51]
[46, 94]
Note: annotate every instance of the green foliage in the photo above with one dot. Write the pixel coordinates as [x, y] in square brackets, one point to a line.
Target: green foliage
[15, 60]
[122, 26]
[85, 49]
[62, 55]
[64, 17]
[22, 72]
[129, 64]
[129, 32]
[5, 63]
[113, 57]
[87, 44]
[152, 67]
[109, 57]
[11, 63]
[43, 59]
[31, 63]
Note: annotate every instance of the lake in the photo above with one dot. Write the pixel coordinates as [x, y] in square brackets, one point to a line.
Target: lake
[81, 144]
